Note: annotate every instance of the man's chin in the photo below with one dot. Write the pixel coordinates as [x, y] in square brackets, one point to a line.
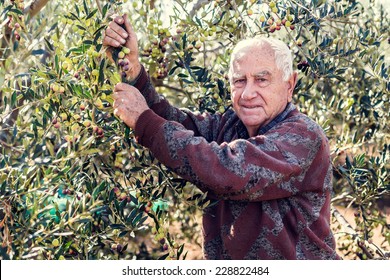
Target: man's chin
[252, 123]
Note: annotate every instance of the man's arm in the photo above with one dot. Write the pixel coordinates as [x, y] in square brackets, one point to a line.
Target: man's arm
[290, 159]
[120, 33]
[201, 124]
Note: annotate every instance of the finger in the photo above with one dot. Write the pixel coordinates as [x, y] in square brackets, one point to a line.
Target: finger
[116, 103]
[117, 31]
[113, 39]
[128, 25]
[117, 113]
[120, 97]
[130, 30]
[116, 96]
[114, 16]
[119, 19]
[122, 87]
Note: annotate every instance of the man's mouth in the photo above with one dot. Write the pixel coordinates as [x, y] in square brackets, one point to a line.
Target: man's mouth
[250, 106]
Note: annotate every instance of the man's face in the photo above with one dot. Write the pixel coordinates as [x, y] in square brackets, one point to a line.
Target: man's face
[259, 93]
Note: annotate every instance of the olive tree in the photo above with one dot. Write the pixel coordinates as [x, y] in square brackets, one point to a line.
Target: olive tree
[74, 183]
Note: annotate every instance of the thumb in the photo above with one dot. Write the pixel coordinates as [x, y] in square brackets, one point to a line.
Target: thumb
[129, 27]
[122, 86]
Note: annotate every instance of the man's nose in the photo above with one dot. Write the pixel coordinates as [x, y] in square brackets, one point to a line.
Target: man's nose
[250, 91]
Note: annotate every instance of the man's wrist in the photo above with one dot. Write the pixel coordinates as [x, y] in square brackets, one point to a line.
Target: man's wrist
[133, 74]
[141, 82]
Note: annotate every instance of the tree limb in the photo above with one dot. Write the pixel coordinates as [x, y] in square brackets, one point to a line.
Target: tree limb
[197, 6]
[171, 88]
[363, 244]
[9, 121]
[35, 7]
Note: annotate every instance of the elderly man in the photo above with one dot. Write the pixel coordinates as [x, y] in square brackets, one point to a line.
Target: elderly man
[266, 164]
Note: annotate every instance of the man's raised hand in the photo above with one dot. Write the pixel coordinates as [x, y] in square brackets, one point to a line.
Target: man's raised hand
[120, 37]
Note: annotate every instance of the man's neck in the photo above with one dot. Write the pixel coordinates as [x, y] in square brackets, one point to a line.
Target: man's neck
[289, 107]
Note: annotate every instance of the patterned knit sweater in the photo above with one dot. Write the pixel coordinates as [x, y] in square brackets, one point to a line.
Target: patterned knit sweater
[273, 190]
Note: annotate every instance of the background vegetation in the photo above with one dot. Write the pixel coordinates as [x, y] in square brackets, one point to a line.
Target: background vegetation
[74, 184]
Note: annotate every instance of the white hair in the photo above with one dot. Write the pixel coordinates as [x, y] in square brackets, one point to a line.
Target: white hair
[283, 56]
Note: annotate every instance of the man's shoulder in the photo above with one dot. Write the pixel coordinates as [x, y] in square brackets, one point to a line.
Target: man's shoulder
[297, 120]
[229, 117]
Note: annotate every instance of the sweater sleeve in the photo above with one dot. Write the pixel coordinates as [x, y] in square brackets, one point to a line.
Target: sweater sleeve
[293, 157]
[201, 124]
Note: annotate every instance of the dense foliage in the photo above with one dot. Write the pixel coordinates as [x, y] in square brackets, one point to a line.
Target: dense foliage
[75, 184]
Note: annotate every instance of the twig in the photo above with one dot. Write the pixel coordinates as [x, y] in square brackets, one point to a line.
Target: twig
[363, 244]
[197, 6]
[35, 7]
[99, 6]
[171, 88]
[2, 143]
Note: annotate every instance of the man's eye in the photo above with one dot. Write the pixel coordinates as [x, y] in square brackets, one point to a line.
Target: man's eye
[263, 82]
[238, 82]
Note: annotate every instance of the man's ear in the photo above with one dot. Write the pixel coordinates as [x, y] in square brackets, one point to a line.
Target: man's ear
[291, 85]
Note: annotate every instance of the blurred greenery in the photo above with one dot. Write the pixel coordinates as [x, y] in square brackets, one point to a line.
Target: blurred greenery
[74, 184]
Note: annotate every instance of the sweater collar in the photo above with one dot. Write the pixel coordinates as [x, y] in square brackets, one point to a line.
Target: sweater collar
[279, 118]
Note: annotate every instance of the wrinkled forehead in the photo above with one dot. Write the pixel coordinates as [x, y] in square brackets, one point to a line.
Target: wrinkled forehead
[253, 51]
[262, 55]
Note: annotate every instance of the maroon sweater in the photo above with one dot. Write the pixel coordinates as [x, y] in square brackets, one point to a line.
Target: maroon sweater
[273, 190]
